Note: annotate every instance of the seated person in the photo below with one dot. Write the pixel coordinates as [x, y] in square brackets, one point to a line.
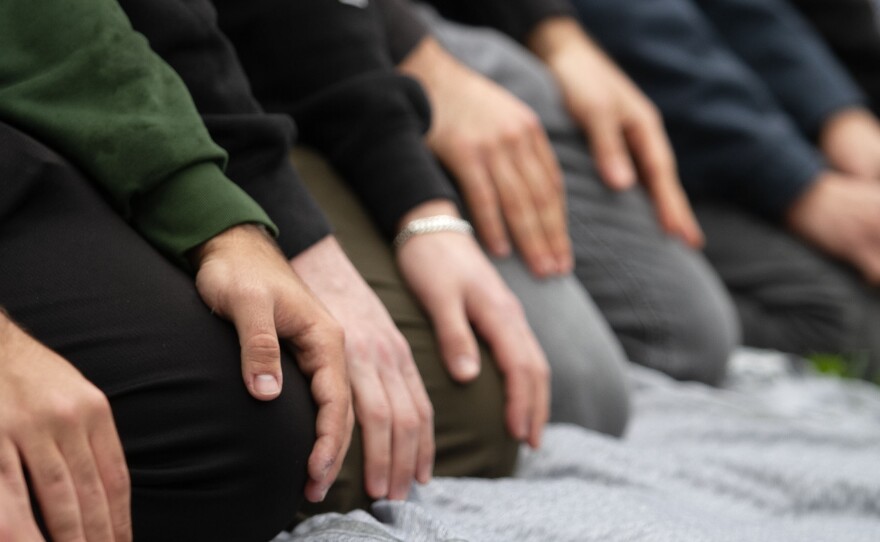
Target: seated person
[741, 157]
[130, 407]
[409, 399]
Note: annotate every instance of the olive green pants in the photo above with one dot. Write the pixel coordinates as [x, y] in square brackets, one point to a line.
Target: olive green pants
[470, 431]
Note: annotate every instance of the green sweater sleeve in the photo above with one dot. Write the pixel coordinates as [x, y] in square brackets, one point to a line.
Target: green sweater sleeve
[74, 74]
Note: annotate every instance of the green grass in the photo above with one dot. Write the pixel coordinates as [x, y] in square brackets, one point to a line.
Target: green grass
[856, 366]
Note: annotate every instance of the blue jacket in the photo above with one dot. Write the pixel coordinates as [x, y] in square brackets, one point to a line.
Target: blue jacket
[743, 86]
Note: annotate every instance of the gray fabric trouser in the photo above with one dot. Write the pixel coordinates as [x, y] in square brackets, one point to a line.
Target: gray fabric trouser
[666, 303]
[663, 301]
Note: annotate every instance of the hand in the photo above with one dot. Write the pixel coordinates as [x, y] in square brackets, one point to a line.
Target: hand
[624, 128]
[458, 287]
[243, 277]
[499, 153]
[390, 401]
[841, 216]
[850, 141]
[59, 426]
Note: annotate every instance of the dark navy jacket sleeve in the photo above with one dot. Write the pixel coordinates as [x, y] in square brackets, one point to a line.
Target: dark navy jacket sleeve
[327, 64]
[789, 56]
[185, 34]
[731, 137]
[852, 30]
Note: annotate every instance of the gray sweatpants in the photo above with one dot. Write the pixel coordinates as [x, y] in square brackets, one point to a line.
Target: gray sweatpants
[667, 305]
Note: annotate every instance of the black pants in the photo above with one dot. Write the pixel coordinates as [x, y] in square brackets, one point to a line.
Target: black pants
[207, 461]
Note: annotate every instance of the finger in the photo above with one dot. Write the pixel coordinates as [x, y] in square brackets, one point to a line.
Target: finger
[549, 201]
[260, 351]
[16, 517]
[610, 150]
[54, 488]
[497, 324]
[425, 459]
[333, 430]
[404, 435]
[868, 262]
[657, 163]
[321, 356]
[373, 412]
[482, 200]
[93, 505]
[520, 214]
[458, 346]
[110, 460]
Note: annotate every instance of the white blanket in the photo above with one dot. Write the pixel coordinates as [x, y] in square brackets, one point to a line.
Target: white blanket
[774, 457]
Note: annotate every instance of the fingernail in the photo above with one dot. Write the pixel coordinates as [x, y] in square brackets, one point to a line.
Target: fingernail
[323, 494]
[523, 430]
[548, 266]
[467, 367]
[502, 248]
[266, 385]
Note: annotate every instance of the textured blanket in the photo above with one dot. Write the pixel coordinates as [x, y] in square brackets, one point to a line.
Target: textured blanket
[776, 456]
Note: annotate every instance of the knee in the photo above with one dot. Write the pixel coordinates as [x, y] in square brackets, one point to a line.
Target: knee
[471, 430]
[694, 339]
[590, 386]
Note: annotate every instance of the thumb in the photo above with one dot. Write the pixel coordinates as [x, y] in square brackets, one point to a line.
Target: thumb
[458, 346]
[260, 352]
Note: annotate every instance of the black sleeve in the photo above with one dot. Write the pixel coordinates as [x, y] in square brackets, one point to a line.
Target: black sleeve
[852, 30]
[516, 18]
[403, 27]
[186, 36]
[327, 64]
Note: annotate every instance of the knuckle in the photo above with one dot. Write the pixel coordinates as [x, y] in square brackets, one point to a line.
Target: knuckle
[408, 424]
[426, 413]
[532, 123]
[52, 475]
[118, 479]
[378, 414]
[507, 303]
[262, 348]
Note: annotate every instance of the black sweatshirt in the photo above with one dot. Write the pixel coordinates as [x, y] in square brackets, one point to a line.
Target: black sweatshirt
[326, 63]
[184, 33]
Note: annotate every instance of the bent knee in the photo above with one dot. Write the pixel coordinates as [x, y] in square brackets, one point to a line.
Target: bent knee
[693, 340]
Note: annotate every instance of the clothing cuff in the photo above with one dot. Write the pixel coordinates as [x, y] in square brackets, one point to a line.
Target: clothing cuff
[784, 175]
[397, 176]
[191, 207]
[403, 28]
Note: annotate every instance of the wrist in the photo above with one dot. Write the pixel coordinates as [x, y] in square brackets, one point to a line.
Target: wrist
[554, 36]
[434, 216]
[236, 236]
[435, 207]
[430, 65]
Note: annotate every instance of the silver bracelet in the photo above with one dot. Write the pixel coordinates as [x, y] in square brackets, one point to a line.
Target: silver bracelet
[432, 224]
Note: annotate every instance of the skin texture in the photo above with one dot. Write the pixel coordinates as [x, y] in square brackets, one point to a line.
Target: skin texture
[501, 158]
[459, 288]
[625, 129]
[850, 140]
[243, 277]
[841, 215]
[390, 401]
[59, 426]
